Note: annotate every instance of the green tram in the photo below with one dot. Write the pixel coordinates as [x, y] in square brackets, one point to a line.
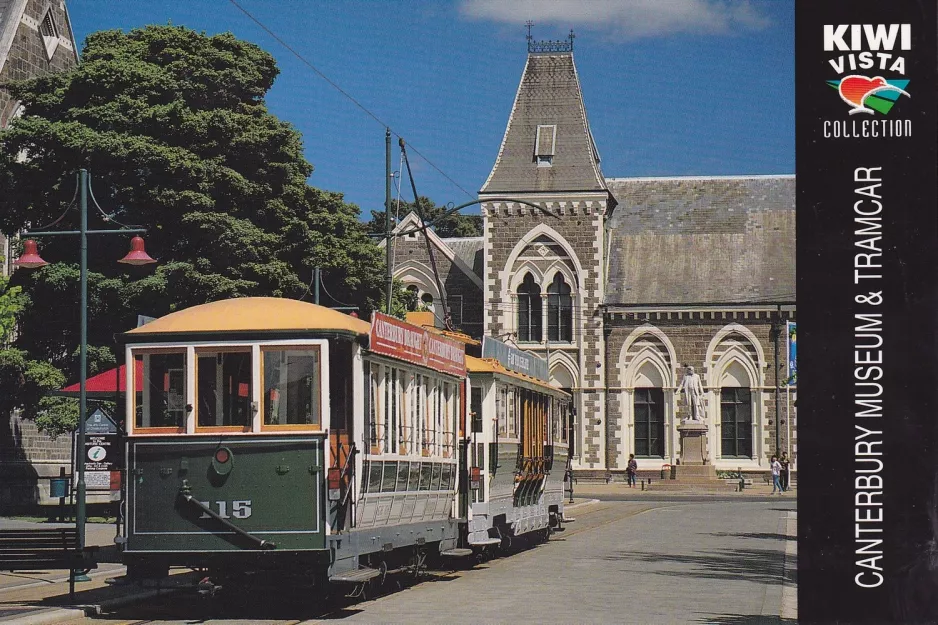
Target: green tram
[270, 433]
[518, 455]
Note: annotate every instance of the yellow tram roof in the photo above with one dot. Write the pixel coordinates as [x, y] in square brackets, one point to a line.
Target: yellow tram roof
[254, 314]
[490, 365]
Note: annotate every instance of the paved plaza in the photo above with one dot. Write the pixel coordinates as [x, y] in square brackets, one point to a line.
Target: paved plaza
[726, 560]
[629, 563]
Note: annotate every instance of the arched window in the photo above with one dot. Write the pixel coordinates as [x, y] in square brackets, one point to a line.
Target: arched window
[559, 310]
[529, 310]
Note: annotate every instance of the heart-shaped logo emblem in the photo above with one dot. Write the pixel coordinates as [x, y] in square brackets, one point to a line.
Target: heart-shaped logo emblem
[854, 90]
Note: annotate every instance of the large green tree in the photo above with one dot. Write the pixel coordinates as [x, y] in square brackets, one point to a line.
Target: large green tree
[455, 225]
[173, 127]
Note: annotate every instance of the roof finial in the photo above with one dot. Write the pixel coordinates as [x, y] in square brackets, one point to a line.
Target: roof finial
[560, 45]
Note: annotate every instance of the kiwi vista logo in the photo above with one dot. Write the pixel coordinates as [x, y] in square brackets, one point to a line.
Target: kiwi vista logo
[869, 67]
[866, 95]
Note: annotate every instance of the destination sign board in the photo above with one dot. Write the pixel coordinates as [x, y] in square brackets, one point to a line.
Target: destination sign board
[397, 339]
[514, 359]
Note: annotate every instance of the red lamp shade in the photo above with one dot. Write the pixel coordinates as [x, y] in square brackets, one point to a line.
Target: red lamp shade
[137, 254]
[30, 258]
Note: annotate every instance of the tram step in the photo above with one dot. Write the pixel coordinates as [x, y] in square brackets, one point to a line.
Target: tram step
[355, 577]
[457, 553]
[487, 541]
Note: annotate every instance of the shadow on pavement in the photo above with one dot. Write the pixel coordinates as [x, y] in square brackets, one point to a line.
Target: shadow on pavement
[761, 566]
[747, 619]
[765, 535]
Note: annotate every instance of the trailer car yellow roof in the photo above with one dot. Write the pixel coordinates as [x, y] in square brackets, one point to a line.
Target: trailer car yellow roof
[254, 314]
[490, 365]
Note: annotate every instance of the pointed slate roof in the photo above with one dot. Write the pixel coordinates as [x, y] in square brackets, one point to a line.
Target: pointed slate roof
[702, 240]
[469, 250]
[464, 252]
[549, 94]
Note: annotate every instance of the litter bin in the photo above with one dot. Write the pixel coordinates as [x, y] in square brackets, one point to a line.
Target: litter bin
[666, 471]
[58, 487]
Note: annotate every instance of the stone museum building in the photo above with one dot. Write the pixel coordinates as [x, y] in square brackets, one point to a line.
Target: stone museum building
[35, 39]
[630, 280]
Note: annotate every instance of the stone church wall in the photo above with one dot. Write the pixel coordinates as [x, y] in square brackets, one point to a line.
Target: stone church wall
[454, 279]
[692, 334]
[28, 58]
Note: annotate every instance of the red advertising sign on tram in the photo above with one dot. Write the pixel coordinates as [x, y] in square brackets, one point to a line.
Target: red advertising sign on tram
[397, 339]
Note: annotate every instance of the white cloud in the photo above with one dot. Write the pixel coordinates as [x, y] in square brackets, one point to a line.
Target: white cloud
[627, 18]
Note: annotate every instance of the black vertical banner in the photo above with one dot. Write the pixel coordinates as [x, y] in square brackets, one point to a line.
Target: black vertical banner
[867, 280]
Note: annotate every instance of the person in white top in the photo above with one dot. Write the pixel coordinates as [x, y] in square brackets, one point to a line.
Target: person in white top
[776, 474]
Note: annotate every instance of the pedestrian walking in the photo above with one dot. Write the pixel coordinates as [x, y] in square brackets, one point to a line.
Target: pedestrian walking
[776, 473]
[786, 471]
[631, 470]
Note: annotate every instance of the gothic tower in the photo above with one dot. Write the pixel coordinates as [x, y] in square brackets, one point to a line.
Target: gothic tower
[543, 274]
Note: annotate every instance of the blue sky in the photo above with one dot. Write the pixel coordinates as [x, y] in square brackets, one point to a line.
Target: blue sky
[672, 87]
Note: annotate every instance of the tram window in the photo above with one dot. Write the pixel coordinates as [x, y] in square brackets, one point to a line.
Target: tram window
[374, 477]
[161, 400]
[291, 386]
[501, 409]
[475, 404]
[446, 480]
[223, 389]
[426, 473]
[413, 480]
[513, 404]
[403, 471]
[365, 469]
[435, 479]
[373, 372]
[390, 477]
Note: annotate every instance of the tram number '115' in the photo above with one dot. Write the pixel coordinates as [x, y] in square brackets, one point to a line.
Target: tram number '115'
[239, 509]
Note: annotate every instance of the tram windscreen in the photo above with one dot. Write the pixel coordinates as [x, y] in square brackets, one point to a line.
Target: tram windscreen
[223, 388]
[160, 399]
[291, 386]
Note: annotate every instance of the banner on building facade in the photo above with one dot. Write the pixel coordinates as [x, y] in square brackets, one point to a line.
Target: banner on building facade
[514, 359]
[397, 339]
[792, 353]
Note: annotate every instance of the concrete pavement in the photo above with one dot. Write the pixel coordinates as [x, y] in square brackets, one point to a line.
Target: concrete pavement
[632, 564]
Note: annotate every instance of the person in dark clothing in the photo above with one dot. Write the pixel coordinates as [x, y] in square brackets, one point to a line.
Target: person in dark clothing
[631, 470]
[783, 478]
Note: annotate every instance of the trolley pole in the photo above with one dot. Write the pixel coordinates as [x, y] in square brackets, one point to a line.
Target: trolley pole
[387, 218]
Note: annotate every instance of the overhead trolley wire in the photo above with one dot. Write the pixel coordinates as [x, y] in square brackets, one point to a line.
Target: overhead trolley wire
[335, 86]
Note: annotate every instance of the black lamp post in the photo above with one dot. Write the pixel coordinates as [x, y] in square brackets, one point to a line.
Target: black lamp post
[31, 259]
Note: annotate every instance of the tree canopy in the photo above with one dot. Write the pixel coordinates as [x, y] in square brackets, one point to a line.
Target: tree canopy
[173, 127]
[456, 225]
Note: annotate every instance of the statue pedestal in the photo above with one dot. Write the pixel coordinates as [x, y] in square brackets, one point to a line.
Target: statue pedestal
[693, 442]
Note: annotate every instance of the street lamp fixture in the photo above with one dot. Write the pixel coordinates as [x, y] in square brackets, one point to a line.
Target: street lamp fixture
[31, 259]
[137, 255]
